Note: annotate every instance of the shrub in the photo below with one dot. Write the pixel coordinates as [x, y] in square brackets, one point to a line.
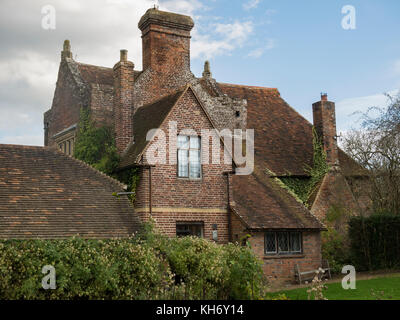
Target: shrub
[147, 266]
[209, 270]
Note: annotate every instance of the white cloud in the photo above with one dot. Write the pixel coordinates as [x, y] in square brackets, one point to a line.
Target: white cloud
[226, 38]
[251, 4]
[349, 111]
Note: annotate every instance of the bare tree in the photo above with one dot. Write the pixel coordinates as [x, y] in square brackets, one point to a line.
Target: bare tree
[377, 148]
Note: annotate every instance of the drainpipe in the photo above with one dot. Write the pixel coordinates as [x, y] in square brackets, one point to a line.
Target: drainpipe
[150, 192]
[228, 173]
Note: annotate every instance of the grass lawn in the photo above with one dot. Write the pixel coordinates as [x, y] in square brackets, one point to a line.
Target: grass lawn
[385, 288]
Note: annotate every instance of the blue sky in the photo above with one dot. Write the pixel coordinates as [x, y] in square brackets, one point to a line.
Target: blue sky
[313, 53]
[298, 47]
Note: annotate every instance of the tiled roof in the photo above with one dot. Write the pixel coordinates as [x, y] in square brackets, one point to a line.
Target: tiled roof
[96, 74]
[46, 194]
[263, 204]
[146, 118]
[283, 138]
[99, 75]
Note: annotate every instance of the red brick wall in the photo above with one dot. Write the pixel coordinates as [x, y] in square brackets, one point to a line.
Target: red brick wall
[101, 104]
[208, 194]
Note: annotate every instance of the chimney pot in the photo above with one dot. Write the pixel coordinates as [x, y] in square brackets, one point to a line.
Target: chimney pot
[324, 97]
[207, 72]
[124, 55]
[66, 53]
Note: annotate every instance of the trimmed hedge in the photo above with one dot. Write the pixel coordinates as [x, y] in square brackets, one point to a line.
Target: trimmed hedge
[375, 242]
[149, 266]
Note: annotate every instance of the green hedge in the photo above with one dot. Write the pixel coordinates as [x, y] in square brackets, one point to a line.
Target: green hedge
[142, 267]
[375, 242]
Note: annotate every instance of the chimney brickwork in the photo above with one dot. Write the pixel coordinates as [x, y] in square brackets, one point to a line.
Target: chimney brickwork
[165, 41]
[123, 101]
[325, 125]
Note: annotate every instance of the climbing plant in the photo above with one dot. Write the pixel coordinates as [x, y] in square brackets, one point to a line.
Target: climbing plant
[130, 177]
[303, 187]
[95, 145]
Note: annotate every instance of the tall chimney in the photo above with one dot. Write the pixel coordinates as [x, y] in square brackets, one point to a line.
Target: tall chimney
[325, 126]
[123, 101]
[165, 41]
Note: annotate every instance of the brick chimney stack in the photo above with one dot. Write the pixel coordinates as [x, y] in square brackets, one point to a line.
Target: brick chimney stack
[123, 101]
[165, 41]
[325, 126]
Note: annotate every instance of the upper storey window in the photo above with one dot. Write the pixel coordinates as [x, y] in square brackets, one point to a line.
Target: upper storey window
[189, 164]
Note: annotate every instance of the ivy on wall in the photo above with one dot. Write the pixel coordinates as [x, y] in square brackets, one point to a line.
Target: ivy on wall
[130, 177]
[96, 145]
[303, 187]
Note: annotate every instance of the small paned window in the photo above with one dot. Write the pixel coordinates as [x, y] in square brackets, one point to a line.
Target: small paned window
[283, 242]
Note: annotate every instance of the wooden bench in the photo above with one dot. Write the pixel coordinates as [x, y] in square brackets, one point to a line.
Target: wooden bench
[304, 275]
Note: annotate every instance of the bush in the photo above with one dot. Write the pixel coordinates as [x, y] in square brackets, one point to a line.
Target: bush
[85, 269]
[208, 270]
[375, 241]
[149, 266]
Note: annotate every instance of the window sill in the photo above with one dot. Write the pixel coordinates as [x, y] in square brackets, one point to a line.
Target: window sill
[284, 256]
[190, 179]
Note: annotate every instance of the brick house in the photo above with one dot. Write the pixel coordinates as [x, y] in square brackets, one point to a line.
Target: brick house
[190, 194]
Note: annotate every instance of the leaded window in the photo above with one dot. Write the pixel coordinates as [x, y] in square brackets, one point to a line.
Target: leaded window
[189, 229]
[189, 152]
[283, 242]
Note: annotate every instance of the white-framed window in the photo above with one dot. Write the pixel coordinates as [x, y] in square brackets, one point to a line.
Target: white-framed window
[283, 242]
[189, 157]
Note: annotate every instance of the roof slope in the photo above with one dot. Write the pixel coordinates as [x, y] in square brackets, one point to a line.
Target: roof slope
[92, 74]
[283, 138]
[45, 194]
[146, 118]
[263, 204]
[96, 74]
